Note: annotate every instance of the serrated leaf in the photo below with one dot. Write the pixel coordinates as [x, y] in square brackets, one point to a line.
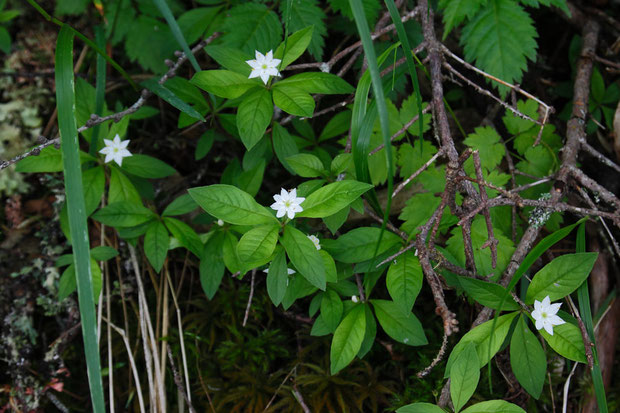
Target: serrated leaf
[254, 115]
[500, 39]
[231, 204]
[332, 198]
[304, 256]
[304, 13]
[252, 27]
[410, 109]
[156, 241]
[561, 276]
[486, 141]
[455, 11]
[404, 280]
[293, 100]
[402, 327]
[348, 339]
[151, 43]
[527, 359]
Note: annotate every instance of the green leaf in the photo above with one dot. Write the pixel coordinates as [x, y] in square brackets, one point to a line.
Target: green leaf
[304, 13]
[341, 163]
[500, 39]
[48, 160]
[65, 98]
[420, 408]
[316, 82]
[348, 339]
[167, 95]
[231, 204]
[464, 376]
[331, 309]
[304, 256]
[232, 59]
[123, 214]
[176, 31]
[293, 47]
[186, 236]
[487, 142]
[283, 145]
[410, 109]
[224, 83]
[561, 276]
[256, 246]
[332, 198]
[102, 253]
[212, 264]
[195, 22]
[156, 241]
[293, 100]
[566, 341]
[338, 125]
[146, 166]
[527, 359]
[404, 280]
[68, 283]
[229, 252]
[359, 244]
[121, 188]
[481, 337]
[488, 294]
[455, 11]
[306, 165]
[181, 205]
[494, 406]
[370, 334]
[335, 221]
[254, 115]
[204, 145]
[151, 43]
[93, 180]
[404, 328]
[277, 277]
[331, 273]
[5, 40]
[251, 27]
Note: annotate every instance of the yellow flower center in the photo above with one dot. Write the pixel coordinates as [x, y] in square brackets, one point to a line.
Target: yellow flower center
[264, 66]
[287, 203]
[544, 315]
[115, 149]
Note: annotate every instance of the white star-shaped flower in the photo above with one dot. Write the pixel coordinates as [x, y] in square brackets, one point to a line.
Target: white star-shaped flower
[287, 203]
[315, 241]
[264, 66]
[545, 315]
[355, 299]
[115, 150]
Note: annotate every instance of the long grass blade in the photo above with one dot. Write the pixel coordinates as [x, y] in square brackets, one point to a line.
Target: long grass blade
[583, 297]
[176, 31]
[65, 97]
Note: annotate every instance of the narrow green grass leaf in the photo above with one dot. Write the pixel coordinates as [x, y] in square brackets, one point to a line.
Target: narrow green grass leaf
[167, 95]
[65, 97]
[176, 31]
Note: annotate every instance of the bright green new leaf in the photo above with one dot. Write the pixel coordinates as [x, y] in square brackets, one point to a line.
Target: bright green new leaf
[254, 115]
[317, 82]
[146, 166]
[277, 277]
[348, 339]
[404, 328]
[257, 245]
[420, 408]
[331, 309]
[121, 188]
[48, 160]
[186, 236]
[527, 359]
[156, 241]
[293, 47]
[494, 406]
[331, 273]
[561, 276]
[293, 100]
[224, 83]
[306, 165]
[464, 376]
[481, 337]
[102, 253]
[304, 256]
[93, 180]
[566, 341]
[283, 145]
[404, 280]
[231, 204]
[68, 281]
[123, 214]
[370, 334]
[341, 163]
[332, 198]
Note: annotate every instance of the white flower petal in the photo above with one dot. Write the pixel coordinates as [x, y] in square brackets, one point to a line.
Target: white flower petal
[556, 320]
[281, 212]
[269, 55]
[553, 308]
[546, 301]
[548, 328]
[539, 324]
[537, 305]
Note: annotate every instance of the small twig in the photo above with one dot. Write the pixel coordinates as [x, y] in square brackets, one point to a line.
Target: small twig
[293, 370]
[300, 400]
[566, 387]
[247, 308]
[437, 359]
[360, 288]
[602, 158]
[491, 241]
[584, 333]
[179, 382]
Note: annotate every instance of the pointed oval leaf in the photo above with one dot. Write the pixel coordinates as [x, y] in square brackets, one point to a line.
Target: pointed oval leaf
[293, 100]
[254, 115]
[404, 280]
[332, 198]
[123, 214]
[277, 277]
[331, 309]
[224, 83]
[156, 241]
[527, 359]
[257, 244]
[348, 339]
[404, 328]
[304, 256]
[488, 294]
[494, 406]
[464, 376]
